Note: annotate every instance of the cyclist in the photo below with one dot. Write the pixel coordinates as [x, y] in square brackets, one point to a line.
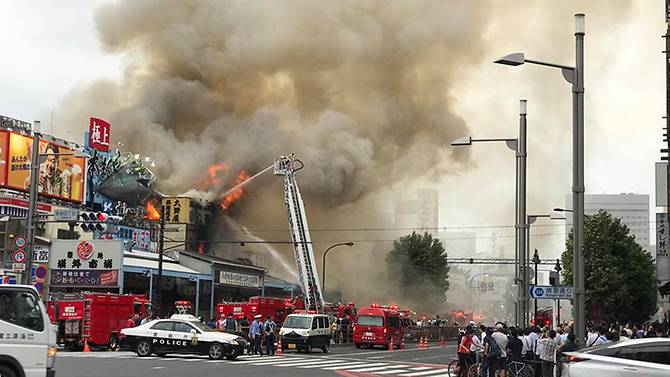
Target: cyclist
[464, 352]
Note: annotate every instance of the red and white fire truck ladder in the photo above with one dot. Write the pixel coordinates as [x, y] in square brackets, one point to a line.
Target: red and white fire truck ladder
[302, 242]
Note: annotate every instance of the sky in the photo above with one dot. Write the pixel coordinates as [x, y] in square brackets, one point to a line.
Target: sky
[52, 47]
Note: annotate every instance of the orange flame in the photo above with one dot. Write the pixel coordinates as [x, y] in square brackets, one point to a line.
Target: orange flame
[237, 193]
[151, 212]
[211, 177]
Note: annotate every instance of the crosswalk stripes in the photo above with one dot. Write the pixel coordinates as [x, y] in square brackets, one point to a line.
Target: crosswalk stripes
[426, 373]
[329, 363]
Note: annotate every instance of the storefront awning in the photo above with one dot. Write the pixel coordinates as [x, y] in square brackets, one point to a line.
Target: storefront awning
[141, 266]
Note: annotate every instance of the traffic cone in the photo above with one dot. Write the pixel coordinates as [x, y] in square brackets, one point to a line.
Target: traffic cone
[279, 351]
[425, 343]
[402, 343]
[86, 349]
[421, 343]
[391, 345]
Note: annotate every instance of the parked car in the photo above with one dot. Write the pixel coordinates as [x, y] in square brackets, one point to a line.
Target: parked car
[649, 357]
[182, 334]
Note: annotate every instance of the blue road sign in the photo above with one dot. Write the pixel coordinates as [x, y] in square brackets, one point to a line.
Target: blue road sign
[562, 292]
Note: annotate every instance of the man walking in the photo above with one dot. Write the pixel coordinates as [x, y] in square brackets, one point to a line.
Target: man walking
[269, 330]
[547, 348]
[230, 326]
[255, 334]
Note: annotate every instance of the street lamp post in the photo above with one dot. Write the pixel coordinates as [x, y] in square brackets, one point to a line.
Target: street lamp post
[536, 260]
[518, 145]
[575, 76]
[323, 281]
[558, 270]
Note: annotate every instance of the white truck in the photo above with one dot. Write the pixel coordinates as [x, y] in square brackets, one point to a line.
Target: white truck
[27, 337]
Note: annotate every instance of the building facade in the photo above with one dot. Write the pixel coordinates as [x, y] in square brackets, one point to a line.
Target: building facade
[632, 209]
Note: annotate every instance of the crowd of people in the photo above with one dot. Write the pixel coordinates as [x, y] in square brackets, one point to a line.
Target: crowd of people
[540, 349]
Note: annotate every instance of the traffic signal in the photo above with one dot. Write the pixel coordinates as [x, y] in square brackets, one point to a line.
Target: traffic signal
[99, 222]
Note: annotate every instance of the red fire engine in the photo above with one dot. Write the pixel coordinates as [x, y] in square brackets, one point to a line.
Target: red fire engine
[339, 310]
[378, 325]
[96, 317]
[276, 308]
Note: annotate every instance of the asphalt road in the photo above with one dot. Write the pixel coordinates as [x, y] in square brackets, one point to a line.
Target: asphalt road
[340, 361]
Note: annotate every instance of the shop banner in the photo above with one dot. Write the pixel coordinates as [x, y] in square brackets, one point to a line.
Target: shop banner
[99, 132]
[240, 280]
[177, 210]
[61, 175]
[79, 263]
[84, 278]
[70, 310]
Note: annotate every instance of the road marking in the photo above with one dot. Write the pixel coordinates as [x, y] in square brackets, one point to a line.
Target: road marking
[345, 366]
[392, 371]
[300, 363]
[157, 367]
[369, 369]
[271, 362]
[426, 373]
[420, 368]
[263, 361]
[330, 364]
[400, 350]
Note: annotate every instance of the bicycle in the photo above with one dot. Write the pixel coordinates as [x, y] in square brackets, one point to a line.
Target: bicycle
[520, 369]
[454, 369]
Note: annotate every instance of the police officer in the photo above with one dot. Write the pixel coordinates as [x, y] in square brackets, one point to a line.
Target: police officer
[256, 333]
[269, 329]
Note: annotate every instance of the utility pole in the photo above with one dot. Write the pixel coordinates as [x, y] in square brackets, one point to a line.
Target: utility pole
[578, 181]
[32, 203]
[159, 280]
[667, 107]
[523, 221]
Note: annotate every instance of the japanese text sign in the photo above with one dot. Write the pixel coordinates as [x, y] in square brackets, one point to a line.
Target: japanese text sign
[98, 134]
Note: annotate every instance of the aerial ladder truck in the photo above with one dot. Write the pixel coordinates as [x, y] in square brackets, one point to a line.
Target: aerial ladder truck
[300, 237]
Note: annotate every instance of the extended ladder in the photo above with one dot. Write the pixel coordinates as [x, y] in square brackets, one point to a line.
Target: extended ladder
[302, 242]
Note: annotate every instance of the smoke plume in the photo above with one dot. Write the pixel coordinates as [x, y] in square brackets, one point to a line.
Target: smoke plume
[362, 91]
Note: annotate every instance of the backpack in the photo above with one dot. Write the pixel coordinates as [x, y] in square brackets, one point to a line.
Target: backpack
[494, 349]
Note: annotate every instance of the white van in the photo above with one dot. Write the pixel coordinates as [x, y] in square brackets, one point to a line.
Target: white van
[27, 338]
[303, 332]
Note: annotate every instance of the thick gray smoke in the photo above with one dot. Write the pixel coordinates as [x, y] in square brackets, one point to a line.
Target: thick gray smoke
[358, 90]
[362, 91]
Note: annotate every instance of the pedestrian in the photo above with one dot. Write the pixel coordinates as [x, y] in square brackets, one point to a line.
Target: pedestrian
[255, 334]
[569, 346]
[533, 337]
[502, 340]
[597, 338]
[464, 352]
[514, 346]
[221, 322]
[623, 335]
[269, 330]
[230, 325]
[548, 349]
[492, 355]
[130, 322]
[146, 319]
[137, 319]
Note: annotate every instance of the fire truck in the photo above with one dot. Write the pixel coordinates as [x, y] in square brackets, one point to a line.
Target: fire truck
[276, 308]
[339, 310]
[287, 166]
[94, 317]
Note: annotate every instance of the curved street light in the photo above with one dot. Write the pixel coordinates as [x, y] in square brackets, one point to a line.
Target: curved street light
[323, 282]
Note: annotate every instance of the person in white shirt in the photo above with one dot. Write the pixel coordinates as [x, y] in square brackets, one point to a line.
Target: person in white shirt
[590, 336]
[501, 339]
[566, 331]
[599, 338]
[623, 335]
[524, 342]
[533, 338]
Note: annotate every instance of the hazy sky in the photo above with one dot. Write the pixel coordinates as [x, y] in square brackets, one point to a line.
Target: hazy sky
[51, 47]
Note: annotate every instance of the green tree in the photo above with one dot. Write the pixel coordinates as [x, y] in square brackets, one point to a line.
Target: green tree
[620, 277]
[418, 269]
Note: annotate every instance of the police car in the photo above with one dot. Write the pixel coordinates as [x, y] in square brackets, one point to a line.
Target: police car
[182, 334]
